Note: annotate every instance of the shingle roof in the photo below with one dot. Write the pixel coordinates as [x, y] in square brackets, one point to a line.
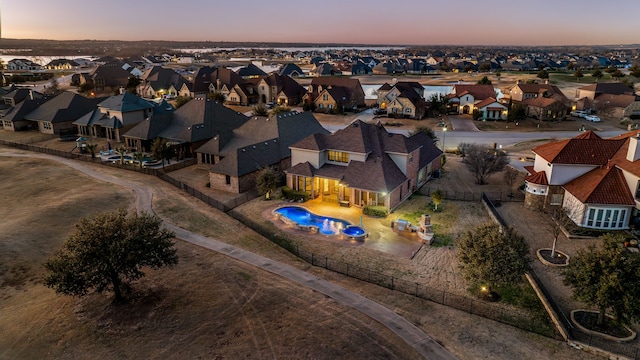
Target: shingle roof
[126, 102]
[608, 88]
[18, 112]
[622, 101]
[66, 106]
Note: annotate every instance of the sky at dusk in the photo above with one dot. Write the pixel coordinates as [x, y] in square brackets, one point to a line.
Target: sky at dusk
[414, 22]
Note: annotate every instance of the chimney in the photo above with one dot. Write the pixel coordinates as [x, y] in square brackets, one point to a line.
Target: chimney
[30, 94]
[633, 153]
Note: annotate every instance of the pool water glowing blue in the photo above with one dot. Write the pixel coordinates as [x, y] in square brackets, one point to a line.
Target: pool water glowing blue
[353, 231]
[326, 225]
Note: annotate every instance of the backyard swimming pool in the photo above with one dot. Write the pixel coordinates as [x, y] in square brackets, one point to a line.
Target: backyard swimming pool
[302, 217]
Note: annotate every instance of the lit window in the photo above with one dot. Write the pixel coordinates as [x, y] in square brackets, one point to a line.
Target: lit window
[338, 156]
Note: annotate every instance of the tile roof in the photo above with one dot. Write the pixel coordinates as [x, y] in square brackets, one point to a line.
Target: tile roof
[539, 101]
[534, 177]
[586, 148]
[485, 102]
[479, 92]
[604, 185]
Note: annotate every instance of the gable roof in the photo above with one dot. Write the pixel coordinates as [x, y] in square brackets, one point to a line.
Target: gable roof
[540, 88]
[290, 69]
[18, 112]
[126, 102]
[613, 100]
[208, 75]
[159, 78]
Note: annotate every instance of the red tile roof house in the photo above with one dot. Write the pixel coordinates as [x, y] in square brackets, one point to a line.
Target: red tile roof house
[464, 98]
[596, 180]
[361, 165]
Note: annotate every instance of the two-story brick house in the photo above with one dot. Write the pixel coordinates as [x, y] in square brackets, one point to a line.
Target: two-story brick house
[362, 164]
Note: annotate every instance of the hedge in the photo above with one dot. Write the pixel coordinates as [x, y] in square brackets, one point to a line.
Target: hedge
[294, 195]
[377, 211]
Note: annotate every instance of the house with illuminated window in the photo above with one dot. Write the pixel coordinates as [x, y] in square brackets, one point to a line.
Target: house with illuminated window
[464, 98]
[596, 180]
[362, 165]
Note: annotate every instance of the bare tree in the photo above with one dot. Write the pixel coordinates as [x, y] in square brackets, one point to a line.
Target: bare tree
[510, 176]
[483, 161]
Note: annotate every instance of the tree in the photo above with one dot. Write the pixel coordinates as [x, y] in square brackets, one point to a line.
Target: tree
[571, 66]
[260, 110]
[427, 130]
[280, 109]
[161, 149]
[53, 88]
[516, 113]
[510, 176]
[597, 74]
[181, 100]
[607, 277]
[437, 196]
[498, 75]
[132, 84]
[610, 69]
[635, 71]
[559, 220]
[484, 67]
[92, 149]
[108, 252]
[483, 161]
[267, 181]
[543, 74]
[491, 255]
[578, 74]
[122, 151]
[438, 104]
[484, 81]
[462, 149]
[85, 87]
[217, 96]
[139, 157]
[617, 74]
[476, 114]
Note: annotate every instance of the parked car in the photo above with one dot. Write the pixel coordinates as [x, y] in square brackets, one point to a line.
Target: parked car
[579, 113]
[592, 118]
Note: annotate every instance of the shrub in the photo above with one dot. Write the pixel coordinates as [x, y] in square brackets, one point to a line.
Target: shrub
[377, 211]
[294, 195]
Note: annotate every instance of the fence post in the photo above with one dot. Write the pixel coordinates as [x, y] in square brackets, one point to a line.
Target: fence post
[312, 256]
[326, 262]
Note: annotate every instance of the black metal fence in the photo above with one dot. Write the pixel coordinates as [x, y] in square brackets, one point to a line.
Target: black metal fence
[495, 196]
[485, 309]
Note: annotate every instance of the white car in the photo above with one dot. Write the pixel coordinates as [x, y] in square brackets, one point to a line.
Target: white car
[592, 118]
[579, 113]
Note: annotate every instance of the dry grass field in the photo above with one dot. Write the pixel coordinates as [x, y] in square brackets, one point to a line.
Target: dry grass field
[209, 306]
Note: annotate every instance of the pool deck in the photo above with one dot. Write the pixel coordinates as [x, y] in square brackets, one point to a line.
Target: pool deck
[381, 236]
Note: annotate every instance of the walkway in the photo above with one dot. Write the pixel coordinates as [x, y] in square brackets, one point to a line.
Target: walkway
[411, 334]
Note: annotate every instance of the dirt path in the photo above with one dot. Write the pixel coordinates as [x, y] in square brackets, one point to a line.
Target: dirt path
[415, 337]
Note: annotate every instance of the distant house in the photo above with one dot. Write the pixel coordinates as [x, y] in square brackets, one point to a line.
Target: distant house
[280, 89]
[324, 69]
[117, 114]
[62, 64]
[610, 99]
[292, 70]
[58, 114]
[110, 77]
[491, 109]
[157, 81]
[329, 93]
[13, 117]
[404, 99]
[464, 97]
[219, 79]
[188, 127]
[362, 165]
[22, 65]
[235, 158]
[541, 101]
[596, 180]
[251, 71]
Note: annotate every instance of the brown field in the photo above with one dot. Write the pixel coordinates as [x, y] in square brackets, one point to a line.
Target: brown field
[208, 306]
